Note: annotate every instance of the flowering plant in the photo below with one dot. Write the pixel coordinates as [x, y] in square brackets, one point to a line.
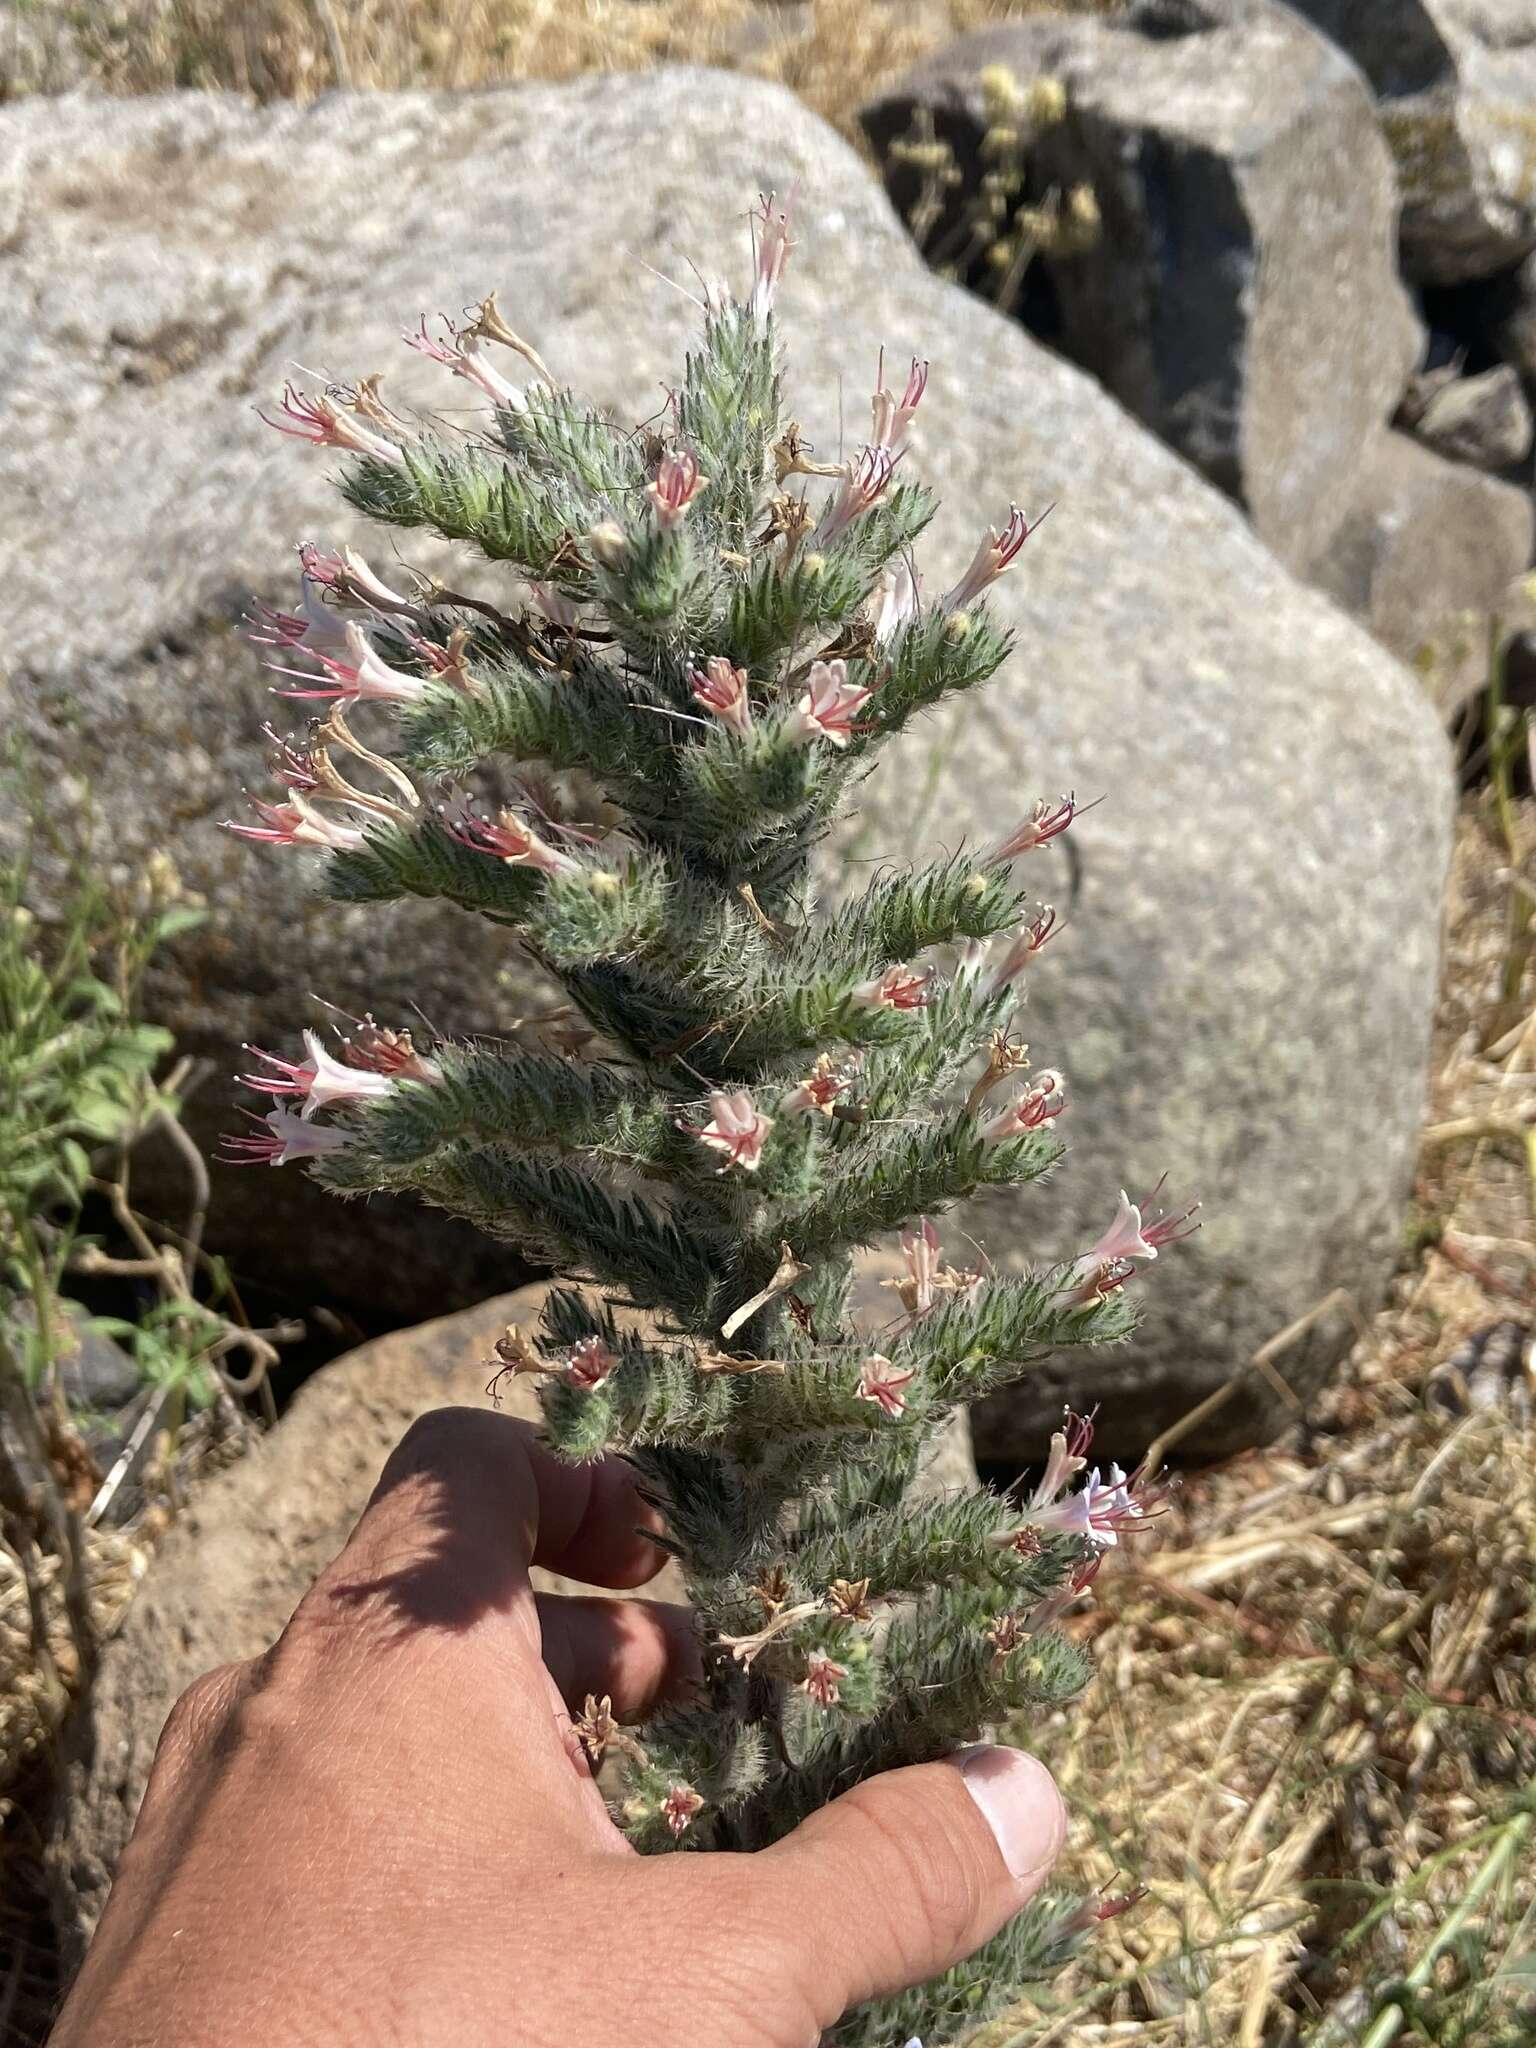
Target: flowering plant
[716, 639]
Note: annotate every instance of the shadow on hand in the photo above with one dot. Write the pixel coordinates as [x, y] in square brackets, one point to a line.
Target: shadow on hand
[449, 1531]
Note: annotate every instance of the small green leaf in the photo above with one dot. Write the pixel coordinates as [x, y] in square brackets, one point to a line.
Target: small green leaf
[170, 924]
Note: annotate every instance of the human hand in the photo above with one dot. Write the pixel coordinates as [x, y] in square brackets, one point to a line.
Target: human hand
[384, 1831]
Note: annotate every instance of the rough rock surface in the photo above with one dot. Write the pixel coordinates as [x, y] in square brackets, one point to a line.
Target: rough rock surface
[1242, 297]
[1456, 81]
[1243, 998]
[1428, 548]
[1482, 420]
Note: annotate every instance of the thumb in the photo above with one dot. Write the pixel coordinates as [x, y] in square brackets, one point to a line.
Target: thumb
[909, 1872]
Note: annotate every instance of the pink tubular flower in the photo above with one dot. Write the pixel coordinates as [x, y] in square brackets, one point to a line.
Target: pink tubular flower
[1068, 1457]
[1082, 1919]
[885, 1385]
[383, 1051]
[722, 689]
[1022, 949]
[991, 559]
[823, 1678]
[508, 839]
[284, 1138]
[590, 1363]
[680, 1806]
[1109, 1263]
[773, 249]
[893, 417]
[1116, 1505]
[292, 764]
[357, 581]
[899, 988]
[361, 678]
[677, 482]
[818, 1091]
[315, 627]
[298, 822]
[863, 483]
[462, 354]
[736, 1128]
[319, 1079]
[1044, 823]
[897, 596]
[1101, 1511]
[319, 421]
[828, 708]
[318, 566]
[1044, 1099]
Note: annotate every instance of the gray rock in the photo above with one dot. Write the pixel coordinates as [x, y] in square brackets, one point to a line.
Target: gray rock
[1241, 297]
[100, 1375]
[1456, 81]
[1483, 420]
[1244, 995]
[1427, 550]
[95, 1372]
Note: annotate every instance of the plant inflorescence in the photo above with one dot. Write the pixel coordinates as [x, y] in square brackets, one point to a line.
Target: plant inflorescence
[628, 758]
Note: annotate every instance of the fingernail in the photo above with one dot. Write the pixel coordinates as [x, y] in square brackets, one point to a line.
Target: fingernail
[1020, 1804]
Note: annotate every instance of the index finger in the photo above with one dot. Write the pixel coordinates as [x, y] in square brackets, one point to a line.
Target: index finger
[467, 1501]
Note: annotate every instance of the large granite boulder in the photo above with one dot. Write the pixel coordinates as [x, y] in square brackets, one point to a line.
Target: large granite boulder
[1243, 998]
[1427, 550]
[1456, 81]
[1241, 295]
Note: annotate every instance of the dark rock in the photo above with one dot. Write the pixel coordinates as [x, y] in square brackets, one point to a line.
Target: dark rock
[1456, 81]
[1241, 298]
[1427, 550]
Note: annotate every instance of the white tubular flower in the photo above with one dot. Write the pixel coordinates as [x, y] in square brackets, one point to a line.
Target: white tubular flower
[831, 703]
[462, 354]
[993, 556]
[773, 252]
[893, 416]
[897, 598]
[736, 1127]
[318, 421]
[722, 689]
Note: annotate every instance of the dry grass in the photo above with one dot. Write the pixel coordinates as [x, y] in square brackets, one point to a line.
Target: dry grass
[29, 1719]
[1315, 1705]
[117, 1560]
[832, 52]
